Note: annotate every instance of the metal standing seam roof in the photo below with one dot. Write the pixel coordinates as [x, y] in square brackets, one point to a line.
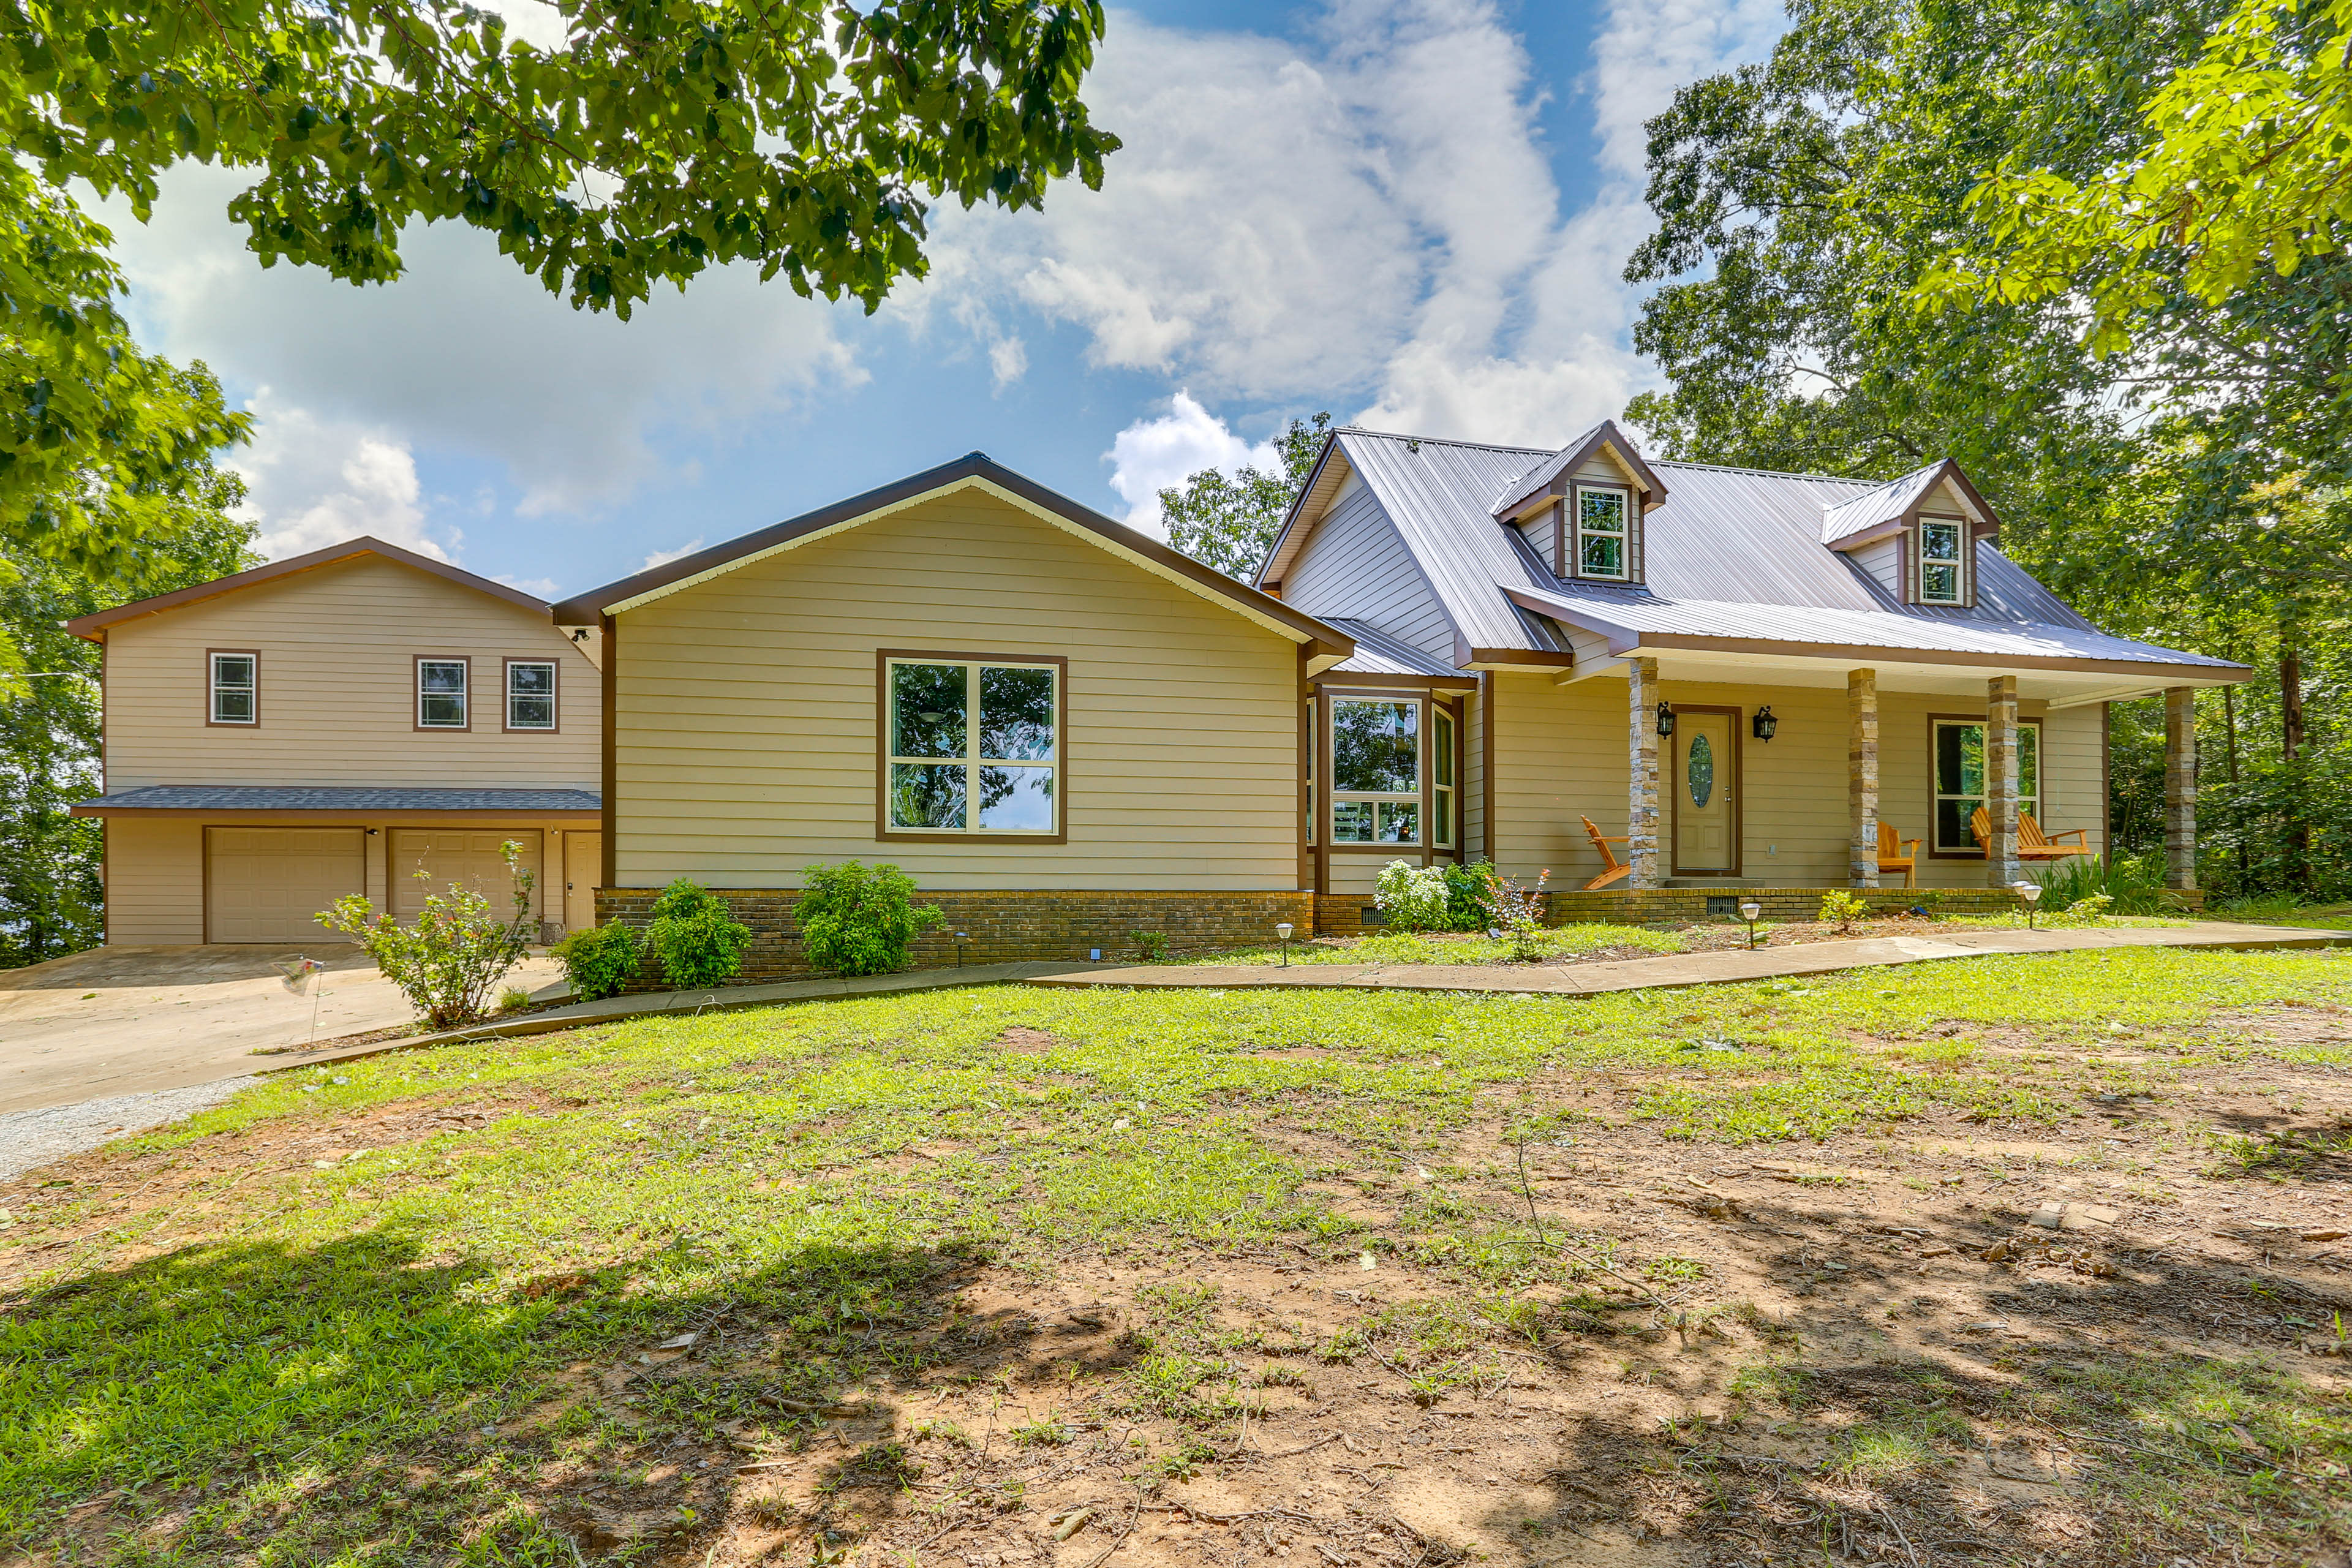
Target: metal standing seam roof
[1873, 507]
[1732, 553]
[338, 797]
[1377, 653]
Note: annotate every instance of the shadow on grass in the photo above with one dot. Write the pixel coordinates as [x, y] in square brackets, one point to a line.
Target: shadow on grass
[365, 1397]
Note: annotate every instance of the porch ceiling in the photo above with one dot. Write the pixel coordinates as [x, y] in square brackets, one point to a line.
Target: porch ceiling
[1898, 672]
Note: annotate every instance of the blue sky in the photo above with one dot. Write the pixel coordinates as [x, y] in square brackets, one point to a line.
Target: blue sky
[1407, 212]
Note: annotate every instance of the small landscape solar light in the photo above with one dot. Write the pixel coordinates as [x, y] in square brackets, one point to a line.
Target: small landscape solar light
[1751, 911]
[1282, 930]
[959, 941]
[2031, 893]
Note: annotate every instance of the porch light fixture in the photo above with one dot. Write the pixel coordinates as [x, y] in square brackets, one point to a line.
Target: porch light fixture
[1282, 930]
[1665, 719]
[1751, 911]
[1764, 726]
[2031, 893]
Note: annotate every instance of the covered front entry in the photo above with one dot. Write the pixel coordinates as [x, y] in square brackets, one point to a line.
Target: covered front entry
[268, 884]
[464, 857]
[1706, 783]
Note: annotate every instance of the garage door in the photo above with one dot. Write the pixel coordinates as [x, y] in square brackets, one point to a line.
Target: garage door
[468, 857]
[266, 884]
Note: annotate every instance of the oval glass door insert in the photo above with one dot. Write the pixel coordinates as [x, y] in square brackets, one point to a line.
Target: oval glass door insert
[1701, 772]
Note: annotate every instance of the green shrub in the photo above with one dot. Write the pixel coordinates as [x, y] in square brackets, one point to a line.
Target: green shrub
[1469, 901]
[1151, 946]
[1412, 897]
[600, 961]
[447, 961]
[1841, 909]
[860, 920]
[2132, 883]
[697, 937]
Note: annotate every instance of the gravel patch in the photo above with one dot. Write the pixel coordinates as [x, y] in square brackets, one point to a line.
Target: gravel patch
[31, 1138]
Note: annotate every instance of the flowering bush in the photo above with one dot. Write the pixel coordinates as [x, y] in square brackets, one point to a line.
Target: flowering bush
[1518, 912]
[447, 962]
[1412, 897]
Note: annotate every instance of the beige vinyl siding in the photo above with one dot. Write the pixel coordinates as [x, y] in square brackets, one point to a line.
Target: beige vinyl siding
[154, 881]
[1560, 753]
[746, 726]
[1882, 563]
[1355, 565]
[337, 646]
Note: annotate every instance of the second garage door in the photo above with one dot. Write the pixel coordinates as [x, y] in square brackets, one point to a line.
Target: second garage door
[469, 858]
[267, 884]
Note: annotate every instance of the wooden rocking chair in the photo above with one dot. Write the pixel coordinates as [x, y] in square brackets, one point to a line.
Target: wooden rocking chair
[1614, 869]
[2033, 844]
[1898, 854]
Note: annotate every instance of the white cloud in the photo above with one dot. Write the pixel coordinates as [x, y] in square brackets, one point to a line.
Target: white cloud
[1151, 455]
[663, 557]
[313, 481]
[470, 356]
[537, 587]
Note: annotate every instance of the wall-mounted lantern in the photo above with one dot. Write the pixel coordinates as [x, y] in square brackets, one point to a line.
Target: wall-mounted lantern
[1665, 719]
[1764, 726]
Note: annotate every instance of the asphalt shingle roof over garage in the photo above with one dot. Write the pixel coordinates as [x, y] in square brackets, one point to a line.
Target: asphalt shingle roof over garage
[306, 797]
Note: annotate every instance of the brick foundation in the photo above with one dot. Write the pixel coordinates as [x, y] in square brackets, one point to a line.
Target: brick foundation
[1000, 926]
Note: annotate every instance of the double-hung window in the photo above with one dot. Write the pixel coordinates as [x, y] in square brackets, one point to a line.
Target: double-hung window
[530, 694]
[1959, 748]
[441, 694]
[972, 746]
[1941, 568]
[1375, 770]
[235, 683]
[1601, 530]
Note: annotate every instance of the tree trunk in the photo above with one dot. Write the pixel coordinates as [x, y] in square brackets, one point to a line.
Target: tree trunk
[2298, 830]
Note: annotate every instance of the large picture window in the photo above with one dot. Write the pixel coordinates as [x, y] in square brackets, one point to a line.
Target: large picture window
[973, 746]
[1601, 530]
[1375, 770]
[1959, 748]
[236, 689]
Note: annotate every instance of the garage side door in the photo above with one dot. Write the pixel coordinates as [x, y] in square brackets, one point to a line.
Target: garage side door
[265, 884]
[467, 857]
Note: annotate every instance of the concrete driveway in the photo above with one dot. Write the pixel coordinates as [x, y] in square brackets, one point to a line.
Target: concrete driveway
[124, 1020]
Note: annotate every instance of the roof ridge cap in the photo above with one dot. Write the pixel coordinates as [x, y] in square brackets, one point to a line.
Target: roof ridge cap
[1443, 441]
[1773, 473]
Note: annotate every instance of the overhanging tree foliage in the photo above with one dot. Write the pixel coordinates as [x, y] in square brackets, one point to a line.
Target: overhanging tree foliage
[1229, 523]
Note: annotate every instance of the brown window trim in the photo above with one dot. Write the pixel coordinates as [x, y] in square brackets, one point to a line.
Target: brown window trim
[506, 697]
[1429, 700]
[885, 834]
[212, 723]
[1928, 836]
[1739, 796]
[1916, 555]
[417, 693]
[1565, 541]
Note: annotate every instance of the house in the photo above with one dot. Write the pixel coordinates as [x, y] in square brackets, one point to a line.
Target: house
[1071, 735]
[1743, 676]
[337, 723]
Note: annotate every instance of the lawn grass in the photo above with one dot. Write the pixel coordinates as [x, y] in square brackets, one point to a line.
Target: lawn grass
[285, 1350]
[1578, 941]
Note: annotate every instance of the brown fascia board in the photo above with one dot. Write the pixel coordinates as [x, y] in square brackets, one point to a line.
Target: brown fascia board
[1297, 508]
[588, 609]
[342, 815]
[93, 625]
[1604, 434]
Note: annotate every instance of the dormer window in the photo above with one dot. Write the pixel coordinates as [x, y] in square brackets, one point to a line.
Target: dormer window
[1603, 526]
[1943, 566]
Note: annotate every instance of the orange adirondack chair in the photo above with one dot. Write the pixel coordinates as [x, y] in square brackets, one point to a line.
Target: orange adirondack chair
[1615, 869]
[1892, 856]
[2033, 844]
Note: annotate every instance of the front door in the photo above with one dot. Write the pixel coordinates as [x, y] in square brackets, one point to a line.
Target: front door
[1706, 786]
[583, 862]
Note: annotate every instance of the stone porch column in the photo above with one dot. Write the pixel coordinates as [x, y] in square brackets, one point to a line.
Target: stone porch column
[1862, 776]
[2180, 788]
[1642, 783]
[2001, 867]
